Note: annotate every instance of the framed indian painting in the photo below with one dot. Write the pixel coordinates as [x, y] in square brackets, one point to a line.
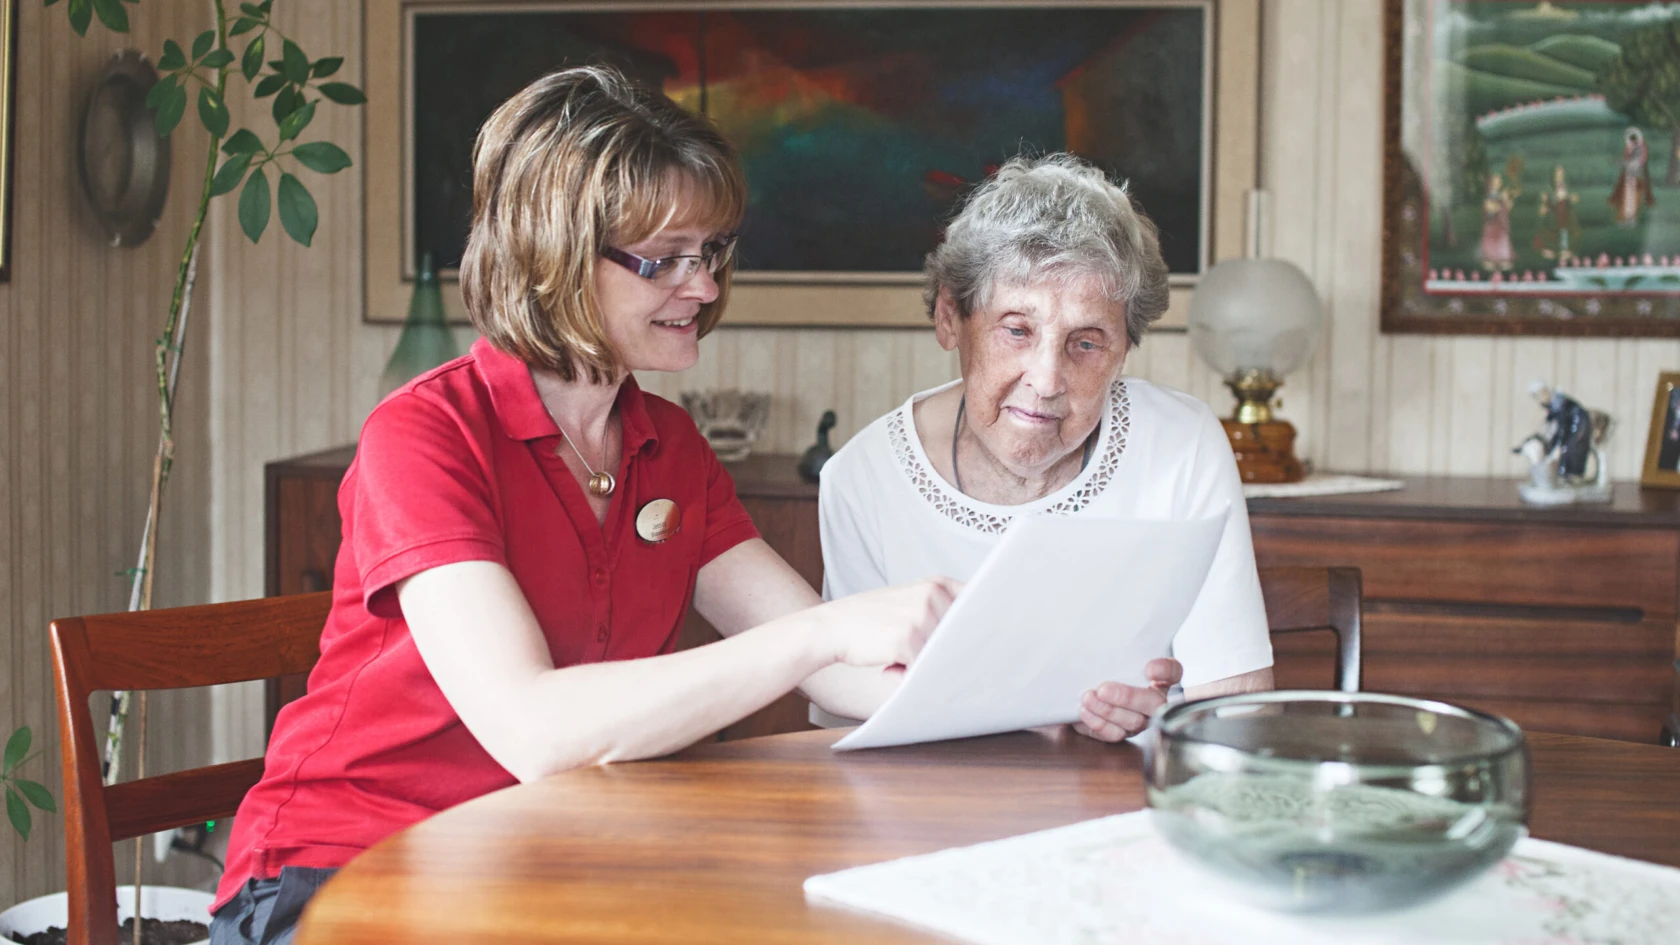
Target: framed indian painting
[1532, 168]
[860, 124]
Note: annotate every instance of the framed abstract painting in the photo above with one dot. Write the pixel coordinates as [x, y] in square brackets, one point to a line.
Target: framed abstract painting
[860, 125]
[1532, 168]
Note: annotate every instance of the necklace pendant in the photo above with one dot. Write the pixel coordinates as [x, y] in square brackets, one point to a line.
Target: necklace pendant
[602, 484]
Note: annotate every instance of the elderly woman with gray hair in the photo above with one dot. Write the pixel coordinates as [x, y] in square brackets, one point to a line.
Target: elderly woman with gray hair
[1045, 281]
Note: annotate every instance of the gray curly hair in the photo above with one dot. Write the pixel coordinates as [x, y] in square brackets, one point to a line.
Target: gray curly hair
[1054, 216]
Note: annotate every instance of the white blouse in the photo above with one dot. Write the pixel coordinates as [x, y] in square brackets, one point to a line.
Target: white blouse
[887, 517]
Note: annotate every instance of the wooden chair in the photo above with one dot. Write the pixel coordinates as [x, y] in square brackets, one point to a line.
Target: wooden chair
[1303, 599]
[159, 649]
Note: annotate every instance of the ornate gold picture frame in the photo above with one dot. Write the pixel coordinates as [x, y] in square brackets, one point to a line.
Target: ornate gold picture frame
[1531, 169]
[842, 299]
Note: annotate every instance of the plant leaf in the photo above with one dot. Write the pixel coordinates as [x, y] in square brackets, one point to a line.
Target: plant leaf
[160, 89]
[37, 795]
[50, 2]
[112, 14]
[297, 209]
[81, 14]
[322, 157]
[242, 25]
[288, 101]
[325, 67]
[253, 206]
[294, 63]
[232, 172]
[213, 112]
[19, 814]
[173, 58]
[169, 114]
[217, 59]
[202, 44]
[251, 9]
[243, 141]
[297, 121]
[269, 85]
[252, 63]
[343, 93]
[16, 748]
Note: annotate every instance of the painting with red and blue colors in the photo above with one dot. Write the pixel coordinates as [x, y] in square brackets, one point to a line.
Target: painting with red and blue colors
[860, 128]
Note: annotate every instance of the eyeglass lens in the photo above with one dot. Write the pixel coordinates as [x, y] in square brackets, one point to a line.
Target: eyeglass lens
[676, 270]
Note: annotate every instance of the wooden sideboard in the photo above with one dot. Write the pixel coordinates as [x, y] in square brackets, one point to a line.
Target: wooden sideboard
[1563, 619]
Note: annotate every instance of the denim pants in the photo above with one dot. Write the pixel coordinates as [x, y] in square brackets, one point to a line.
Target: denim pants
[266, 911]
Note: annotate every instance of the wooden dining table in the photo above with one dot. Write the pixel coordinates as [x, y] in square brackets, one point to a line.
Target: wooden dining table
[713, 844]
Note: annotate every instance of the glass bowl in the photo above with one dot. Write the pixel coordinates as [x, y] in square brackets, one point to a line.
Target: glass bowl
[1333, 802]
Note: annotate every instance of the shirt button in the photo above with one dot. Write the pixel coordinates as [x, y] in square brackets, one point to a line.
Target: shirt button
[600, 575]
[601, 633]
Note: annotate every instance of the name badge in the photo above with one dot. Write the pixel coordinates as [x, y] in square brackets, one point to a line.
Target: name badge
[658, 520]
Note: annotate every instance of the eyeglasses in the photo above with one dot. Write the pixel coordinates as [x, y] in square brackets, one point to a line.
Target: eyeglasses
[673, 272]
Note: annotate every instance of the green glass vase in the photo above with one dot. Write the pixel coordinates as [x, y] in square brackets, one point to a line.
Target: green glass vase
[426, 341]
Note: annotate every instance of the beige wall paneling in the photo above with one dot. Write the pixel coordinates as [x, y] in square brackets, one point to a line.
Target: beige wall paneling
[78, 417]
[1400, 403]
[293, 369]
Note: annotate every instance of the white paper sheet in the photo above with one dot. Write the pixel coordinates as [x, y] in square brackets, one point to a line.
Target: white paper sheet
[1060, 605]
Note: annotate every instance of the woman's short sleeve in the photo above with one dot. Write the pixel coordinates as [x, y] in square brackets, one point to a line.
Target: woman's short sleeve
[422, 496]
[1225, 633]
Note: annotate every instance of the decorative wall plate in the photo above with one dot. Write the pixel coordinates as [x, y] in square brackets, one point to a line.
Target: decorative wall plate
[124, 163]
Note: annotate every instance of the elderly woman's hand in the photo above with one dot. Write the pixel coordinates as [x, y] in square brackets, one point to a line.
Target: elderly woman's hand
[1115, 711]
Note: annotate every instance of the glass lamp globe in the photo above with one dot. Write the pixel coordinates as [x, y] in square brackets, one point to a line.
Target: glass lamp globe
[1255, 321]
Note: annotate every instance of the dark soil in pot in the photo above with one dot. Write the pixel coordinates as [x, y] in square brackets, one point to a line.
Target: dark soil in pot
[152, 932]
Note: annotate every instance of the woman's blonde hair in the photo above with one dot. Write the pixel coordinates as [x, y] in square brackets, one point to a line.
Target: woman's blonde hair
[578, 160]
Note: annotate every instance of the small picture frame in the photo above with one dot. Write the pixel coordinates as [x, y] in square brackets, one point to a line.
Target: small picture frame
[1662, 448]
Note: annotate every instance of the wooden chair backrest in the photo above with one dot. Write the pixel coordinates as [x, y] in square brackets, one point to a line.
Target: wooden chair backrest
[177, 648]
[1301, 599]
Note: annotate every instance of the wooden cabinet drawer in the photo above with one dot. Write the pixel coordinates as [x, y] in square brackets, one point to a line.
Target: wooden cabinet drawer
[1632, 570]
[1565, 661]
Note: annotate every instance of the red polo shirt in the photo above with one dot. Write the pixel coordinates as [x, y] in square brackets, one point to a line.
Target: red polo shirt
[460, 465]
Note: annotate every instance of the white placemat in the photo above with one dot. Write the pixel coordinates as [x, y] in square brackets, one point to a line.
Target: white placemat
[1114, 880]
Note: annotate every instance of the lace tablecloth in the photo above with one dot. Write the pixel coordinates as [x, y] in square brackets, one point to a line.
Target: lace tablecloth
[1115, 881]
[1320, 484]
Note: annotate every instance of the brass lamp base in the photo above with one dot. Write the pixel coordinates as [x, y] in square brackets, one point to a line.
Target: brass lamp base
[1265, 446]
[1265, 451]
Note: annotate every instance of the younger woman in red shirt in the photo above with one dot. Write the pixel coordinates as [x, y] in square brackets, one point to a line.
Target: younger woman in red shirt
[524, 529]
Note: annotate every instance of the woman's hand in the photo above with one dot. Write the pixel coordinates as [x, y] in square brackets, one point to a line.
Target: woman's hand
[888, 626]
[1115, 711]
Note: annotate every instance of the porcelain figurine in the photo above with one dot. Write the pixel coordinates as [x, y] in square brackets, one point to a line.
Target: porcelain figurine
[1566, 457]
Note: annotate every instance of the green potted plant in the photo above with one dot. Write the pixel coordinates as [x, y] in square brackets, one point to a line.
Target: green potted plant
[21, 792]
[244, 43]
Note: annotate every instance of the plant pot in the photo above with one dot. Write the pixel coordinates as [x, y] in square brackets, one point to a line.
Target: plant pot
[156, 902]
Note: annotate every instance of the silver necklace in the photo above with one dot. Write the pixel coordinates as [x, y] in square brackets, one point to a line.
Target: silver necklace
[956, 430]
[601, 484]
